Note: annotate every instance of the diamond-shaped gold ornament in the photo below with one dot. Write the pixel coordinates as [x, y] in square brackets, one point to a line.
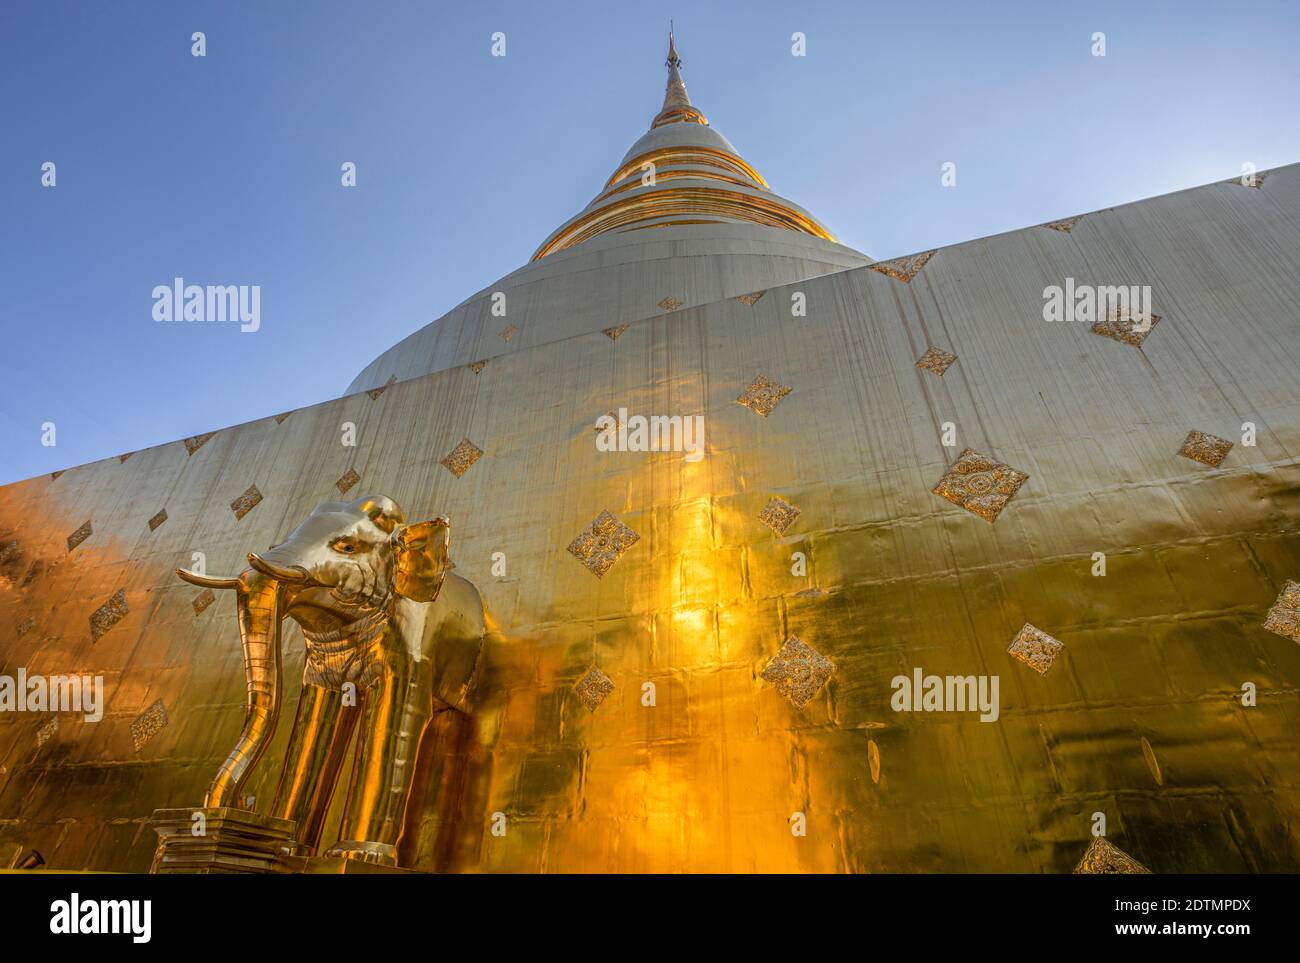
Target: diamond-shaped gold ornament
[246, 502]
[936, 360]
[1125, 326]
[46, 732]
[1206, 448]
[670, 303]
[1065, 225]
[376, 392]
[798, 671]
[198, 441]
[460, 458]
[1035, 648]
[203, 600]
[603, 543]
[763, 395]
[778, 515]
[148, 724]
[108, 615]
[80, 535]
[1284, 616]
[593, 687]
[1248, 180]
[1104, 857]
[979, 484]
[903, 268]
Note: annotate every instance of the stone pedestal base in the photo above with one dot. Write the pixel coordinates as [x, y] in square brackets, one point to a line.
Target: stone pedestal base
[227, 841]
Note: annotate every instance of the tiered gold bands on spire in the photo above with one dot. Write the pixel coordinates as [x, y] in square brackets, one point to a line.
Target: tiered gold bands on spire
[678, 174]
[725, 205]
[668, 157]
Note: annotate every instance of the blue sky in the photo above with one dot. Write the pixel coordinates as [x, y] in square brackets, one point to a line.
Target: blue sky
[225, 169]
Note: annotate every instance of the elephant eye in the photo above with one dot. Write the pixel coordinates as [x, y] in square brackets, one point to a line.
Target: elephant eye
[344, 546]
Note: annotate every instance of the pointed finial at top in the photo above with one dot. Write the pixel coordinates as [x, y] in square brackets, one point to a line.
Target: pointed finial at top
[677, 103]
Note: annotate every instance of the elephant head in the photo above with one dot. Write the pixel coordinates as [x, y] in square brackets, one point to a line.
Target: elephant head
[346, 565]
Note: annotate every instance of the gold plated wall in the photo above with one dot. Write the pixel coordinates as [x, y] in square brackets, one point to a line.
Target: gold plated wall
[1139, 716]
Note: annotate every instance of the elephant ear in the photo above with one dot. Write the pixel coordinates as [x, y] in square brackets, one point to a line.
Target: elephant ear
[422, 559]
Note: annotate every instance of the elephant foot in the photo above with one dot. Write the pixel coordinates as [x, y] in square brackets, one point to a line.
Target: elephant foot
[385, 854]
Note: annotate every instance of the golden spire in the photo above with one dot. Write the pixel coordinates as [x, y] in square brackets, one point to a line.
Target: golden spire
[680, 172]
[677, 103]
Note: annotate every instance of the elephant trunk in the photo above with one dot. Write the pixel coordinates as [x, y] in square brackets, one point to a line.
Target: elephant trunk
[259, 604]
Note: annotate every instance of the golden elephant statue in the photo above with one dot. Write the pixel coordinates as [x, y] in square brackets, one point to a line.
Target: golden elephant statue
[391, 637]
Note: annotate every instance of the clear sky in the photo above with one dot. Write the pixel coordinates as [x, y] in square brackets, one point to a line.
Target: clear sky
[225, 169]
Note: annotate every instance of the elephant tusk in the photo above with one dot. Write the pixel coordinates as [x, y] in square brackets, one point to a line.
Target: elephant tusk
[207, 581]
[293, 573]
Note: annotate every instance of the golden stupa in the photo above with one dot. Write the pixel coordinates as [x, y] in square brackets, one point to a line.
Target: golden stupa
[720, 484]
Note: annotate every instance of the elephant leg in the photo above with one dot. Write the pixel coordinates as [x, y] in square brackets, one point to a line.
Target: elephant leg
[396, 712]
[313, 761]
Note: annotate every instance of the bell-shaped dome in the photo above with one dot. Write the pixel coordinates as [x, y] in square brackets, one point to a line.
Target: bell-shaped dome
[720, 232]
